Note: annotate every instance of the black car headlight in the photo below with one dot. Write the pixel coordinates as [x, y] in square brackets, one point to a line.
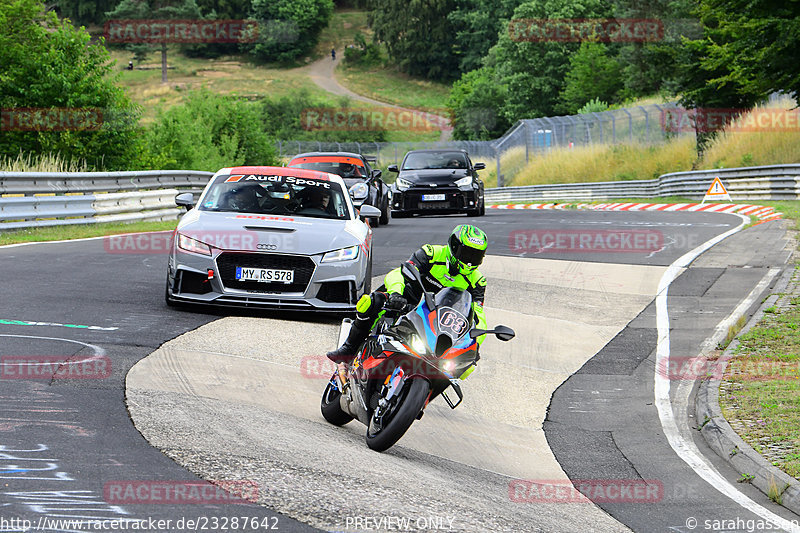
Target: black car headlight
[359, 191]
[464, 183]
[402, 184]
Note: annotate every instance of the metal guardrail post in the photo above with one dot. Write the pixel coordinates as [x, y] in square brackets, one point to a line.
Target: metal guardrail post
[630, 124]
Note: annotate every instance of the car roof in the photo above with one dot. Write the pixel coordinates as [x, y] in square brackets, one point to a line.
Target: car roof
[342, 154]
[323, 157]
[433, 150]
[282, 171]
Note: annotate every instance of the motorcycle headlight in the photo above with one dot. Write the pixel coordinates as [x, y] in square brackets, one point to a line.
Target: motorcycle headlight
[359, 190]
[402, 184]
[464, 183]
[417, 345]
[343, 254]
[193, 245]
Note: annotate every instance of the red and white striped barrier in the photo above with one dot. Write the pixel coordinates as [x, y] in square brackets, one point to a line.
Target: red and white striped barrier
[763, 213]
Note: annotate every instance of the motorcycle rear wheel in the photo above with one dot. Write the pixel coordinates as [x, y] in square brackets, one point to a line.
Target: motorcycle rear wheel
[410, 406]
[331, 408]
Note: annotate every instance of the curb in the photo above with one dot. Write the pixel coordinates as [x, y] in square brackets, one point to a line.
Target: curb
[723, 439]
[763, 213]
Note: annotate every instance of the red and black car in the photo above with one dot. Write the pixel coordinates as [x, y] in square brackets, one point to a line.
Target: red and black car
[363, 182]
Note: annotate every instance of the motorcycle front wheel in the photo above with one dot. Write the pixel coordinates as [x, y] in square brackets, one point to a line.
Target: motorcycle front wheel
[404, 413]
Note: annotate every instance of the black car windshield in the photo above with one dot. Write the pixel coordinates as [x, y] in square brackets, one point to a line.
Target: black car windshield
[345, 170]
[276, 195]
[434, 160]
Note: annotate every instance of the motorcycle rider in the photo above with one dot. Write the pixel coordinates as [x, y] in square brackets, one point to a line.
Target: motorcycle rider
[452, 265]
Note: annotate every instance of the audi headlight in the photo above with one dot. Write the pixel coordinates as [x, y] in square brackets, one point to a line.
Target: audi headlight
[193, 245]
[464, 183]
[402, 184]
[359, 190]
[343, 254]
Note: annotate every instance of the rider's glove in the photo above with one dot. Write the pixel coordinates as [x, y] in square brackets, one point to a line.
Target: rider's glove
[396, 301]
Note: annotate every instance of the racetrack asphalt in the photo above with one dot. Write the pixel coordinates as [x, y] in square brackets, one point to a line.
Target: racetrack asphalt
[82, 426]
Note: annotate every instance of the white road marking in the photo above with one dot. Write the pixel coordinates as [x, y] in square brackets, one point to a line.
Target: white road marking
[683, 447]
[97, 350]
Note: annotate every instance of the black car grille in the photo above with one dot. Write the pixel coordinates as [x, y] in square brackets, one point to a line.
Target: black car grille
[454, 199]
[303, 270]
[192, 282]
[336, 292]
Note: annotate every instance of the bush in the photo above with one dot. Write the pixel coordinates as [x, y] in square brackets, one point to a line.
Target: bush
[209, 132]
[289, 28]
[593, 106]
[285, 119]
[475, 103]
[50, 65]
[362, 53]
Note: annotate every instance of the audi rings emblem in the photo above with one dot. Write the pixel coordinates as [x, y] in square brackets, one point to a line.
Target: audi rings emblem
[262, 246]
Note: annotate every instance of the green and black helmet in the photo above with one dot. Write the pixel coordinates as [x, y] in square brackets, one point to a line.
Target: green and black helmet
[466, 248]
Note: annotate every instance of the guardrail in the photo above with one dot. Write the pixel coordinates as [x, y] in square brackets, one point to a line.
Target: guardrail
[61, 198]
[52, 199]
[774, 182]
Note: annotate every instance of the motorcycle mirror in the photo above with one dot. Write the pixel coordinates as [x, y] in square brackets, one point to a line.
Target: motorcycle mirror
[504, 333]
[475, 333]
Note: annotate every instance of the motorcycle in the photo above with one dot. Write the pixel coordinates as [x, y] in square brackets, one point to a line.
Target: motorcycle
[410, 357]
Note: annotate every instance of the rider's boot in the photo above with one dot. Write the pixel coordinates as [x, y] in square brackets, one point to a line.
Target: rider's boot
[358, 332]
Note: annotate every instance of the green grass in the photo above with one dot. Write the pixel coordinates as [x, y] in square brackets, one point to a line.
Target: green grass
[760, 395]
[341, 31]
[227, 75]
[394, 87]
[81, 231]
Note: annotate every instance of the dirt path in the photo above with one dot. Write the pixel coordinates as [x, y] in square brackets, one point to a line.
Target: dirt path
[321, 72]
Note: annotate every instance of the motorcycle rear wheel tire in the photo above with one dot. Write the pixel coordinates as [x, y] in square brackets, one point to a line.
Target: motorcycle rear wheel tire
[332, 409]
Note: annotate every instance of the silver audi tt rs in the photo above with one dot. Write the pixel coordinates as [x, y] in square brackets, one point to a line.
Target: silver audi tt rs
[272, 237]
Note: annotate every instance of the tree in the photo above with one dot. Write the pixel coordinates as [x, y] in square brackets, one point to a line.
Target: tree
[156, 9]
[592, 75]
[418, 35]
[208, 132]
[754, 42]
[475, 103]
[710, 83]
[85, 12]
[476, 24]
[289, 28]
[49, 65]
[535, 72]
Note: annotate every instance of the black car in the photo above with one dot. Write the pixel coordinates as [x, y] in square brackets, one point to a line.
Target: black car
[437, 181]
[364, 183]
